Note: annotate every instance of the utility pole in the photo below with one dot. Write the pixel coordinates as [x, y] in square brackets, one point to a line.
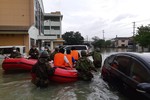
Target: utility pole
[134, 46]
[103, 35]
[133, 29]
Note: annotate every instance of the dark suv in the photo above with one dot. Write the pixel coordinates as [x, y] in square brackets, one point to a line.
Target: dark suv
[129, 72]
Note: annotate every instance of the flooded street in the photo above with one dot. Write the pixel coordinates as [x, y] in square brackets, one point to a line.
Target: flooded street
[17, 86]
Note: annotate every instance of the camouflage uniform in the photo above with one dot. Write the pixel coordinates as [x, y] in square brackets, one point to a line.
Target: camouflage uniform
[34, 53]
[42, 70]
[97, 58]
[84, 67]
[53, 54]
[15, 53]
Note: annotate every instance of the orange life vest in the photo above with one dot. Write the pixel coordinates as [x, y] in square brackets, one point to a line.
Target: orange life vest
[69, 57]
[59, 60]
[75, 54]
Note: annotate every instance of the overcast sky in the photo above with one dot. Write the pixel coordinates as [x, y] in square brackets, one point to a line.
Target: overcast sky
[91, 17]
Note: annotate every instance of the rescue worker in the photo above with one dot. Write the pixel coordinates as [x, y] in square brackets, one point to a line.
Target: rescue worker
[34, 52]
[47, 49]
[42, 71]
[97, 57]
[75, 53]
[15, 53]
[53, 54]
[60, 59]
[70, 58]
[84, 66]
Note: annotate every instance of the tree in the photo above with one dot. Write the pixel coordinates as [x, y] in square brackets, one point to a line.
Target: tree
[143, 36]
[73, 38]
[107, 43]
[97, 42]
[100, 43]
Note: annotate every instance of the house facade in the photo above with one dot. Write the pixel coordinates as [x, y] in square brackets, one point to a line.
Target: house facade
[121, 42]
[21, 22]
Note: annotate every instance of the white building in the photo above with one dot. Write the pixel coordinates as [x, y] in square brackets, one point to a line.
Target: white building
[52, 30]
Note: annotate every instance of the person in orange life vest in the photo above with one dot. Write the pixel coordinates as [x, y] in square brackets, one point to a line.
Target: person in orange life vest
[60, 59]
[75, 53]
[69, 57]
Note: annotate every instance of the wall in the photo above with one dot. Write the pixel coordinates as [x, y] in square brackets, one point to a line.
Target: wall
[16, 13]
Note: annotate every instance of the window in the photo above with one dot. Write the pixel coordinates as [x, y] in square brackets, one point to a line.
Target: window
[55, 19]
[123, 64]
[5, 50]
[122, 40]
[55, 27]
[139, 72]
[109, 60]
[47, 27]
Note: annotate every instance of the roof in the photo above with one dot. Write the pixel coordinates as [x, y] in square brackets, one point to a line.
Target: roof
[117, 38]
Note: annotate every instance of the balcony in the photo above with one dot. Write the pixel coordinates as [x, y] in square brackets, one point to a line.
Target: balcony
[47, 37]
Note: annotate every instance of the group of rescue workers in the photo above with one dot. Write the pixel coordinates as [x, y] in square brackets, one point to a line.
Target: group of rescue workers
[71, 59]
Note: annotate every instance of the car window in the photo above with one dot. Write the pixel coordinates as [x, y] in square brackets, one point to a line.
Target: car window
[5, 50]
[68, 48]
[139, 72]
[80, 47]
[108, 61]
[123, 64]
[77, 47]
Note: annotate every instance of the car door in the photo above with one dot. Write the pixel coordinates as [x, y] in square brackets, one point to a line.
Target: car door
[121, 70]
[138, 74]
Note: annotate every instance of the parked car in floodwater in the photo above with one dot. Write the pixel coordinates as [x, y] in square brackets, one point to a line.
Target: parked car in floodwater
[129, 72]
[5, 51]
[77, 47]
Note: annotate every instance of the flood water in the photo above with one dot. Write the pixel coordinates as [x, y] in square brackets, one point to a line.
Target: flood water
[17, 86]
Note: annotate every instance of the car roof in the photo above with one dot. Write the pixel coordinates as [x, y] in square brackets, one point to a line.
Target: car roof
[76, 46]
[143, 57]
[10, 46]
[73, 45]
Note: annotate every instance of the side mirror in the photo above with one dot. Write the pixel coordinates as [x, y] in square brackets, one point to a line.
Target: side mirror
[143, 87]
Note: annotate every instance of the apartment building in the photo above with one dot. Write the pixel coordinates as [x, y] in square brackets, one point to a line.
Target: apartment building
[53, 29]
[21, 22]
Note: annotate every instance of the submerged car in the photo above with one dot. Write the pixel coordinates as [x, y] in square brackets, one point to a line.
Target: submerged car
[129, 72]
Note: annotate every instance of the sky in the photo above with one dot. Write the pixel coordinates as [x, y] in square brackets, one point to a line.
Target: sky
[105, 19]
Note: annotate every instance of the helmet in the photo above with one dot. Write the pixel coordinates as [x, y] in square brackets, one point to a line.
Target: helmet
[44, 54]
[56, 49]
[83, 53]
[13, 48]
[98, 49]
[61, 50]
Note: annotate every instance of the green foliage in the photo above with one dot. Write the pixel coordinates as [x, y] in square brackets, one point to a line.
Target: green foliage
[100, 43]
[107, 43]
[73, 38]
[143, 36]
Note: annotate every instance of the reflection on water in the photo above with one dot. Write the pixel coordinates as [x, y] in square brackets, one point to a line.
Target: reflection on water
[17, 86]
